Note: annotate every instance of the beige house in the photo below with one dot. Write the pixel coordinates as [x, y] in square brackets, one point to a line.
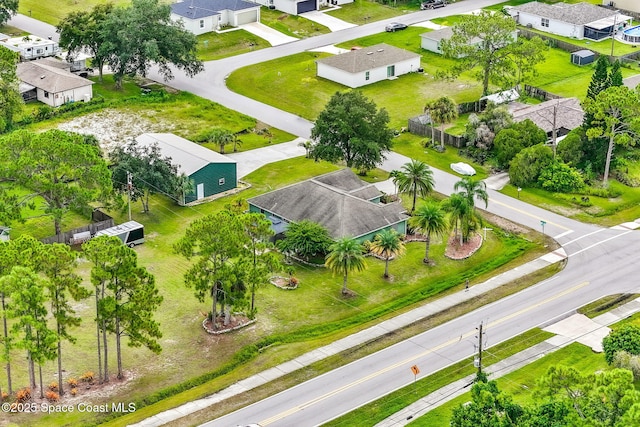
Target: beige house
[52, 85]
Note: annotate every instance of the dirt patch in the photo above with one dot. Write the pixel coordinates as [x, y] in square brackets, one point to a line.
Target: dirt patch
[115, 127]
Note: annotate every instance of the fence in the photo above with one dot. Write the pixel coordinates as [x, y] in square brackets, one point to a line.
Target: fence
[536, 92]
[418, 127]
[560, 44]
[100, 220]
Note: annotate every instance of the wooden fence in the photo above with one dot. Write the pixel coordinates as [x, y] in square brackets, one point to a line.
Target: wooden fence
[100, 221]
[417, 127]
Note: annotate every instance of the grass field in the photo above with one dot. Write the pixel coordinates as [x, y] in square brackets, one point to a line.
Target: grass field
[365, 11]
[291, 25]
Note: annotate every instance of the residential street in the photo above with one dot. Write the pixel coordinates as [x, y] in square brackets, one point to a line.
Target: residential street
[600, 262]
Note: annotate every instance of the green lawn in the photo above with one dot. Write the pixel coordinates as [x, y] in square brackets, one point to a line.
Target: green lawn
[365, 11]
[52, 12]
[291, 25]
[314, 314]
[213, 45]
[521, 383]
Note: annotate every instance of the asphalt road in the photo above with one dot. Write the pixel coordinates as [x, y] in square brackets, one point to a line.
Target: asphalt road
[601, 261]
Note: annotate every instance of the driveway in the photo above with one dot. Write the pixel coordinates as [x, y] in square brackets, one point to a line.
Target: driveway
[269, 34]
[331, 22]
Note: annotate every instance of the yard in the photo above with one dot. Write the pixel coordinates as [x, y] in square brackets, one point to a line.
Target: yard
[313, 314]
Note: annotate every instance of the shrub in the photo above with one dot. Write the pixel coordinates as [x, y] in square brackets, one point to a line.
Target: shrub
[4, 396]
[293, 281]
[560, 177]
[23, 395]
[74, 391]
[72, 382]
[526, 166]
[87, 377]
[627, 338]
[53, 386]
[52, 396]
[625, 360]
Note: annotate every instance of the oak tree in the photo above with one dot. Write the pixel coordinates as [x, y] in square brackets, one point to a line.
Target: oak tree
[353, 130]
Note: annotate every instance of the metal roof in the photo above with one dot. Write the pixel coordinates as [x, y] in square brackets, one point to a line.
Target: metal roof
[119, 229]
[368, 58]
[48, 78]
[188, 156]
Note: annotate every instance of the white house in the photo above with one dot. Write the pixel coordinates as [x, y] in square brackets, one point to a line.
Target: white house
[432, 41]
[204, 16]
[580, 20]
[52, 85]
[631, 5]
[32, 47]
[296, 7]
[368, 65]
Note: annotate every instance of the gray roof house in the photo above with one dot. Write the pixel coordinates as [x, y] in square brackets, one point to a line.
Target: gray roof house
[568, 115]
[368, 65]
[52, 85]
[580, 20]
[339, 201]
[204, 16]
[432, 40]
[211, 173]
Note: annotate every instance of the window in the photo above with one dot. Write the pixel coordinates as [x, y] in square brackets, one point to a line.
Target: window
[366, 75]
[202, 23]
[221, 181]
[46, 94]
[545, 22]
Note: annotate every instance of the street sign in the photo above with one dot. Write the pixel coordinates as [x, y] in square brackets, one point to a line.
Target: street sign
[415, 370]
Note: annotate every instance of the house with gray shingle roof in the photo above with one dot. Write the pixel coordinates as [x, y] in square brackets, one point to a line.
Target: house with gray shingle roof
[210, 172]
[204, 16]
[339, 201]
[432, 40]
[52, 85]
[580, 20]
[565, 113]
[368, 65]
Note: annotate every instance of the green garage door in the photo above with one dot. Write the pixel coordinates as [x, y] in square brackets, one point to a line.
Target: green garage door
[247, 17]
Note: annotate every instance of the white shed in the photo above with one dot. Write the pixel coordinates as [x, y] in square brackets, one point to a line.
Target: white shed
[368, 65]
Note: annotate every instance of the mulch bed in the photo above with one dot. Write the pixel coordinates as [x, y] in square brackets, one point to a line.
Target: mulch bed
[237, 321]
[457, 251]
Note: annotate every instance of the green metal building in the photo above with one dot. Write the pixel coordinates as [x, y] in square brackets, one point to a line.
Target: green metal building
[210, 172]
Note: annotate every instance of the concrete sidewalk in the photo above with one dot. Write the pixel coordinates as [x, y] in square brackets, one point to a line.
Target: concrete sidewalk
[591, 332]
[354, 340]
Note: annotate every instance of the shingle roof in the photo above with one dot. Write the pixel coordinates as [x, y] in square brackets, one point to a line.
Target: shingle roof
[48, 78]
[578, 14]
[337, 208]
[367, 58]
[188, 156]
[197, 9]
[445, 33]
[569, 114]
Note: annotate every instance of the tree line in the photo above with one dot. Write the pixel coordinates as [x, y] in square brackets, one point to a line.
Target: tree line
[38, 284]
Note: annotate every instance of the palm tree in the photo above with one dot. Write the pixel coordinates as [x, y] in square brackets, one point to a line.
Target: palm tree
[472, 189]
[461, 212]
[219, 136]
[444, 111]
[345, 255]
[395, 175]
[429, 220]
[307, 145]
[416, 178]
[387, 244]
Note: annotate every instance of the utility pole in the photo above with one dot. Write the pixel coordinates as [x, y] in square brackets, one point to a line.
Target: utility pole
[129, 190]
[478, 361]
